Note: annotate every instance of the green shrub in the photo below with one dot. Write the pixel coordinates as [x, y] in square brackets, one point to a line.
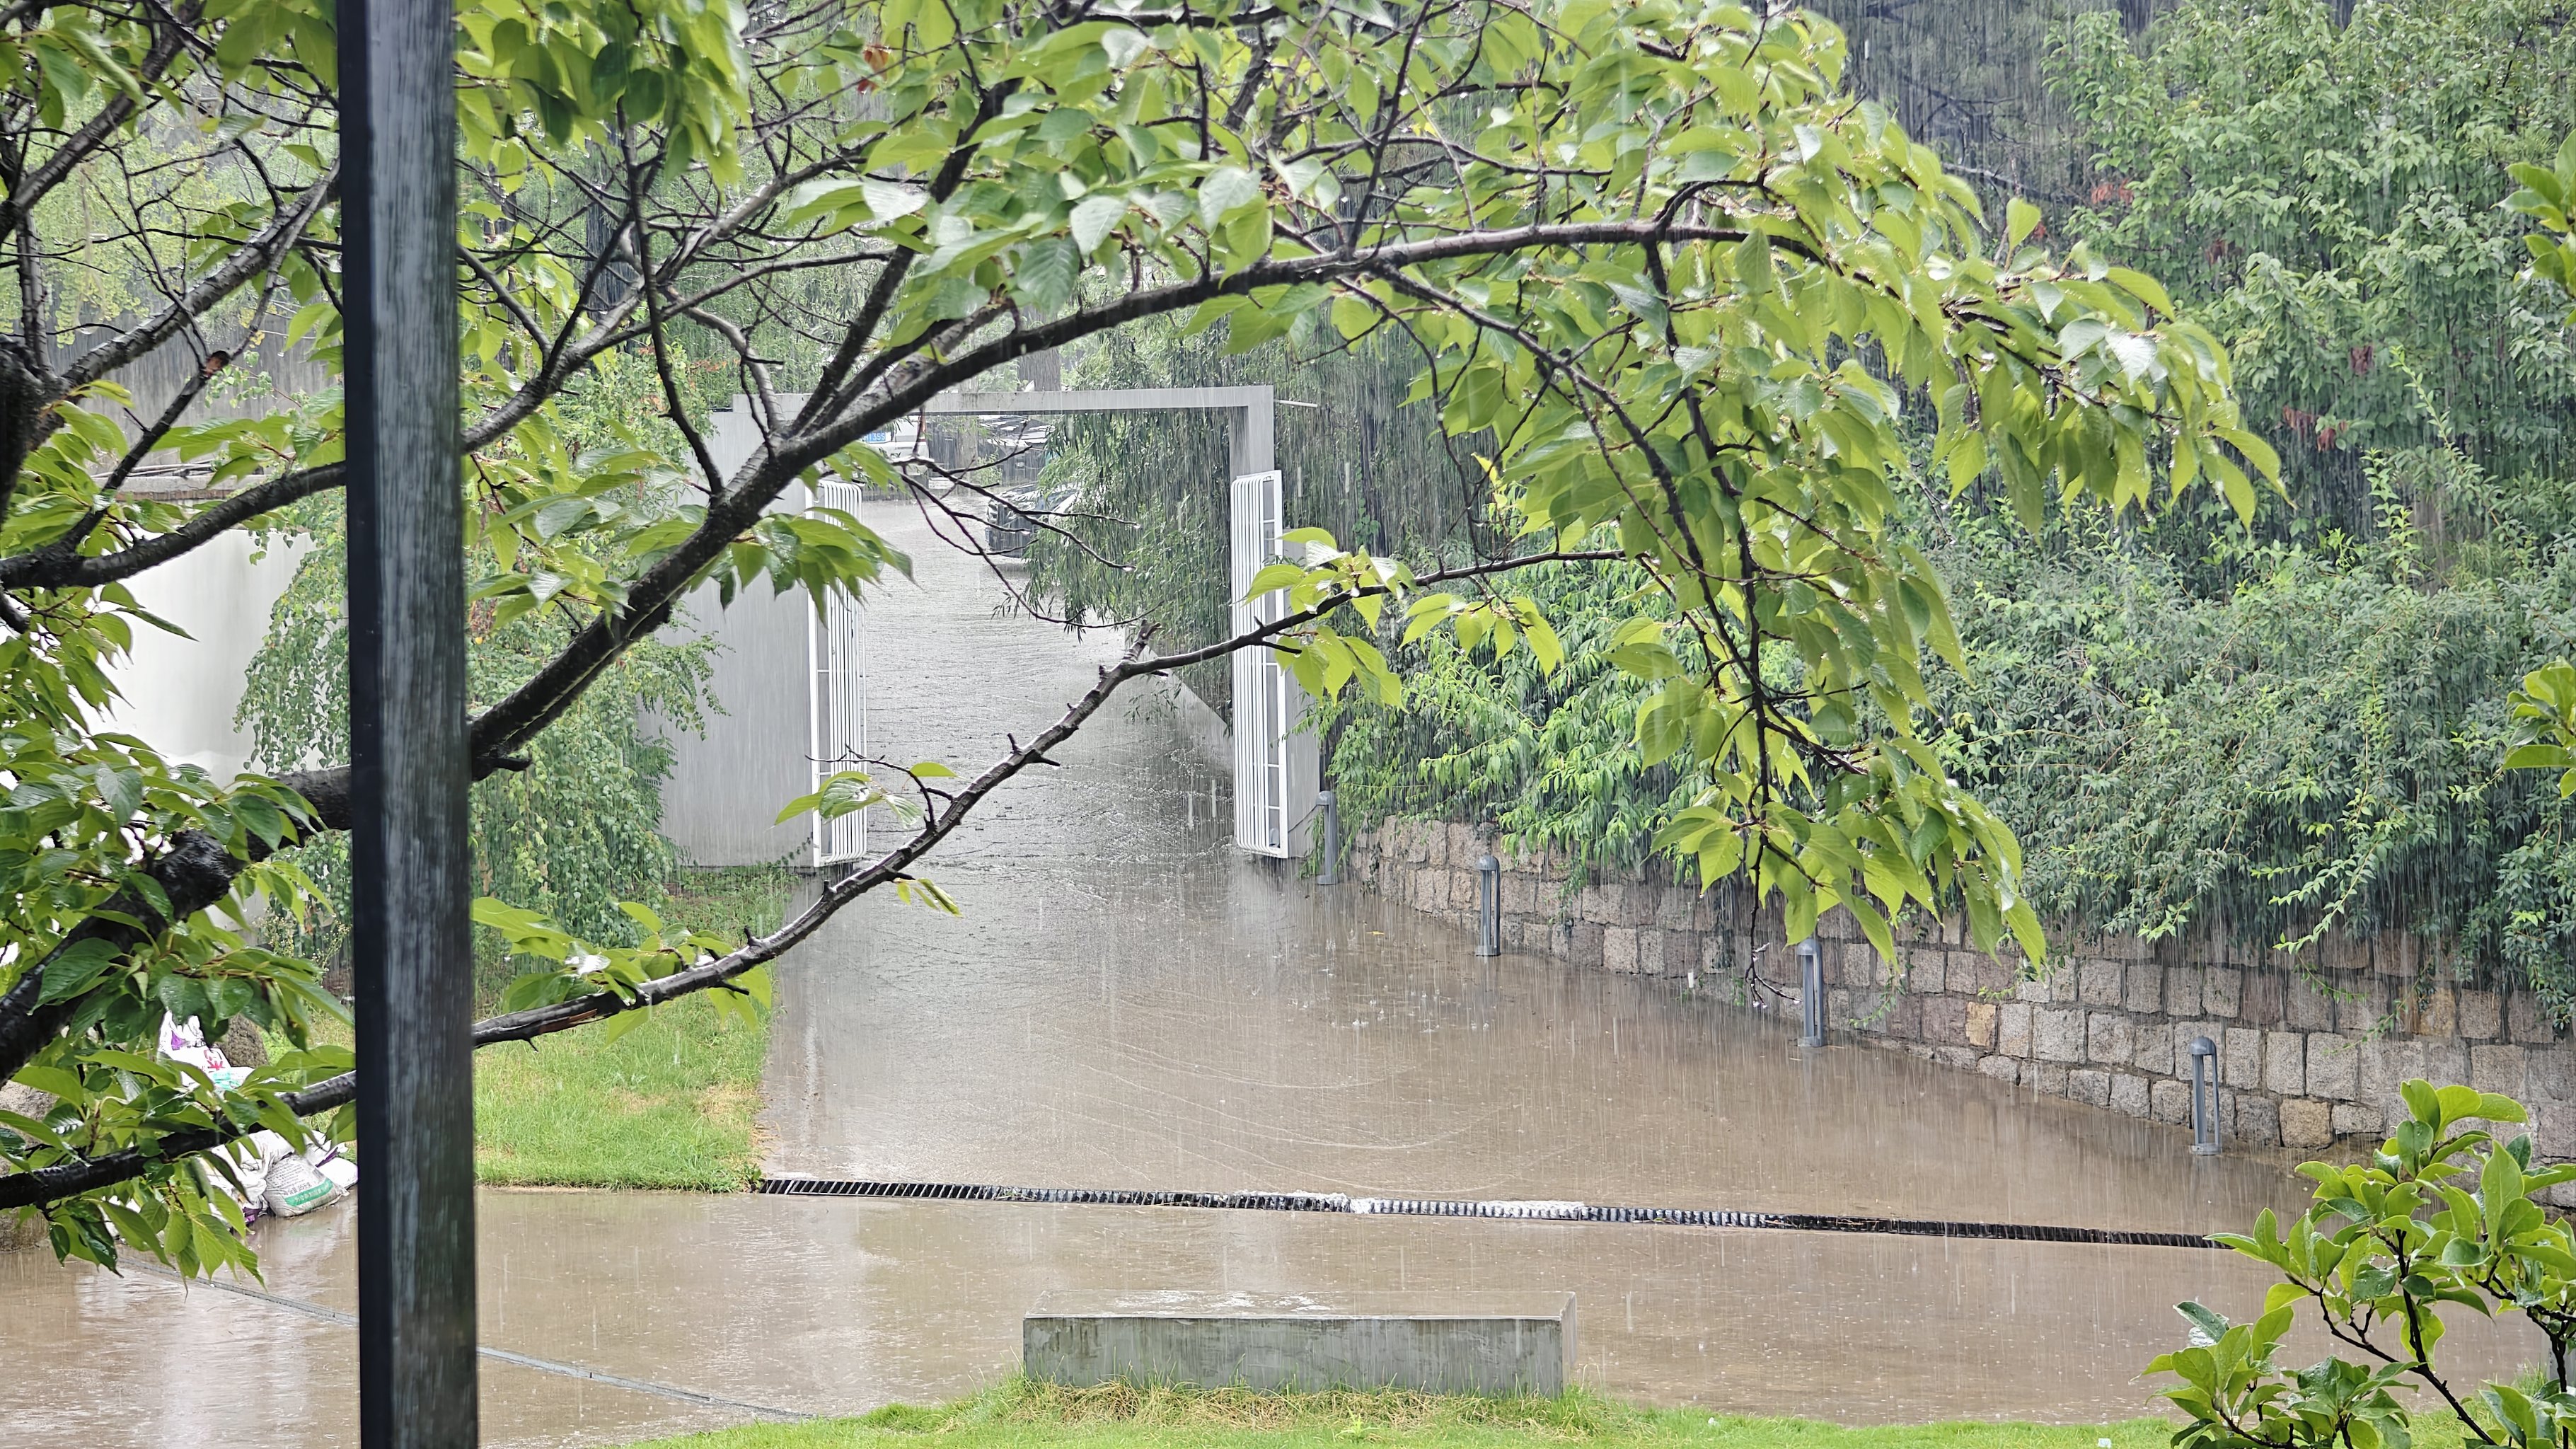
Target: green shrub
[2444, 1216]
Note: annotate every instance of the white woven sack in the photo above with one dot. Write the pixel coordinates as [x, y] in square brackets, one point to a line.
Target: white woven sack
[295, 1188]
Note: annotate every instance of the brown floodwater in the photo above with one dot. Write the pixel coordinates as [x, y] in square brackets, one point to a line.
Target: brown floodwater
[1125, 1002]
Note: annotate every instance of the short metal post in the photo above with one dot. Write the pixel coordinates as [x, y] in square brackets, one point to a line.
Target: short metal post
[1489, 906]
[1811, 993]
[1330, 872]
[2204, 1096]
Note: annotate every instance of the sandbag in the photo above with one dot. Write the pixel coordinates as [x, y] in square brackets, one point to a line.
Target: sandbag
[297, 1187]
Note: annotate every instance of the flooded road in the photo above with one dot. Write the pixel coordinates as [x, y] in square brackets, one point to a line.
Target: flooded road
[1125, 1002]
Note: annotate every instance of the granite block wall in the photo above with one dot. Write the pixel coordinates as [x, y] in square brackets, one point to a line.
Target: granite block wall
[2306, 1058]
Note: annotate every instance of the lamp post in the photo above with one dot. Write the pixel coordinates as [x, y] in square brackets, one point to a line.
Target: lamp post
[1329, 807]
[1489, 906]
[2204, 1098]
[1811, 993]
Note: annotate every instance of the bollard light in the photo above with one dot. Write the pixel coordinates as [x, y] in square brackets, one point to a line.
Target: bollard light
[1489, 906]
[2204, 1096]
[1811, 992]
[1330, 872]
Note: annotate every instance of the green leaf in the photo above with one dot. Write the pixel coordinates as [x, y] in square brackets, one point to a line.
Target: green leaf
[2020, 219]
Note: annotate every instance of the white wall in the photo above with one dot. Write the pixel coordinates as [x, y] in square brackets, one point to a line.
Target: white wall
[719, 805]
[179, 694]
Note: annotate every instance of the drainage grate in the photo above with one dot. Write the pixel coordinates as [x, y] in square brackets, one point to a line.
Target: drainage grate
[1543, 1211]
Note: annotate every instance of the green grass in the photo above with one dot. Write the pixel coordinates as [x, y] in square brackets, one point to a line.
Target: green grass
[1021, 1413]
[670, 1104]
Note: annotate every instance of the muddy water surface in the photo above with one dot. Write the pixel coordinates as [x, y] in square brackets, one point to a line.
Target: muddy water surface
[1125, 1002]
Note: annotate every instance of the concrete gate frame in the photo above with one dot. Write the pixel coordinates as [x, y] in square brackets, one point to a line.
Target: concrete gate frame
[776, 670]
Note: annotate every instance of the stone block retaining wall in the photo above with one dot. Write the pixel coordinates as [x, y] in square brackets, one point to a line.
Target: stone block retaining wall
[2304, 1060]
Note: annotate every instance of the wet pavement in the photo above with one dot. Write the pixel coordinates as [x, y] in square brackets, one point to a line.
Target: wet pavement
[1126, 1002]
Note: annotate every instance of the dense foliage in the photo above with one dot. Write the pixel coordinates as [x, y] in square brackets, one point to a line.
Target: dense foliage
[2325, 198]
[2191, 724]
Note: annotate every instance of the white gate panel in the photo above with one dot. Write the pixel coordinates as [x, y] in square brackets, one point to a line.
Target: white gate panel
[1264, 693]
[840, 696]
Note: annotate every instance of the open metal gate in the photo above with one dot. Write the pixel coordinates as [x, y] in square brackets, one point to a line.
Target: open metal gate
[1265, 708]
[839, 700]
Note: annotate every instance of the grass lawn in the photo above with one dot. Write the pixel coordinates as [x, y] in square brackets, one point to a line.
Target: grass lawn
[1021, 1413]
[670, 1104]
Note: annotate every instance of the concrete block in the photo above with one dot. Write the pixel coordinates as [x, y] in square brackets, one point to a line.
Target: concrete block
[2342, 952]
[2285, 1063]
[1927, 970]
[2261, 1003]
[2240, 1057]
[2057, 1034]
[2182, 991]
[2306, 1123]
[2305, 1007]
[2013, 1023]
[2034, 989]
[1944, 1019]
[1500, 1343]
[2553, 1129]
[2129, 1094]
[2333, 1066]
[2001, 1068]
[1520, 895]
[2446, 1063]
[2155, 1048]
[2048, 1077]
[2364, 1007]
[2171, 1101]
[1986, 975]
[1650, 953]
[1903, 1016]
[2394, 953]
[1673, 908]
[1957, 1058]
[1583, 943]
[2221, 990]
[2254, 1121]
[2437, 1013]
[2357, 1119]
[2481, 1015]
[2549, 1073]
[2099, 983]
[2496, 1069]
[1979, 1023]
[2530, 1025]
[2108, 1039]
[2144, 988]
[2126, 948]
[2092, 1088]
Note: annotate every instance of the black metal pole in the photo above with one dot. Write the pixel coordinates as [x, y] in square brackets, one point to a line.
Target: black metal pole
[410, 938]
